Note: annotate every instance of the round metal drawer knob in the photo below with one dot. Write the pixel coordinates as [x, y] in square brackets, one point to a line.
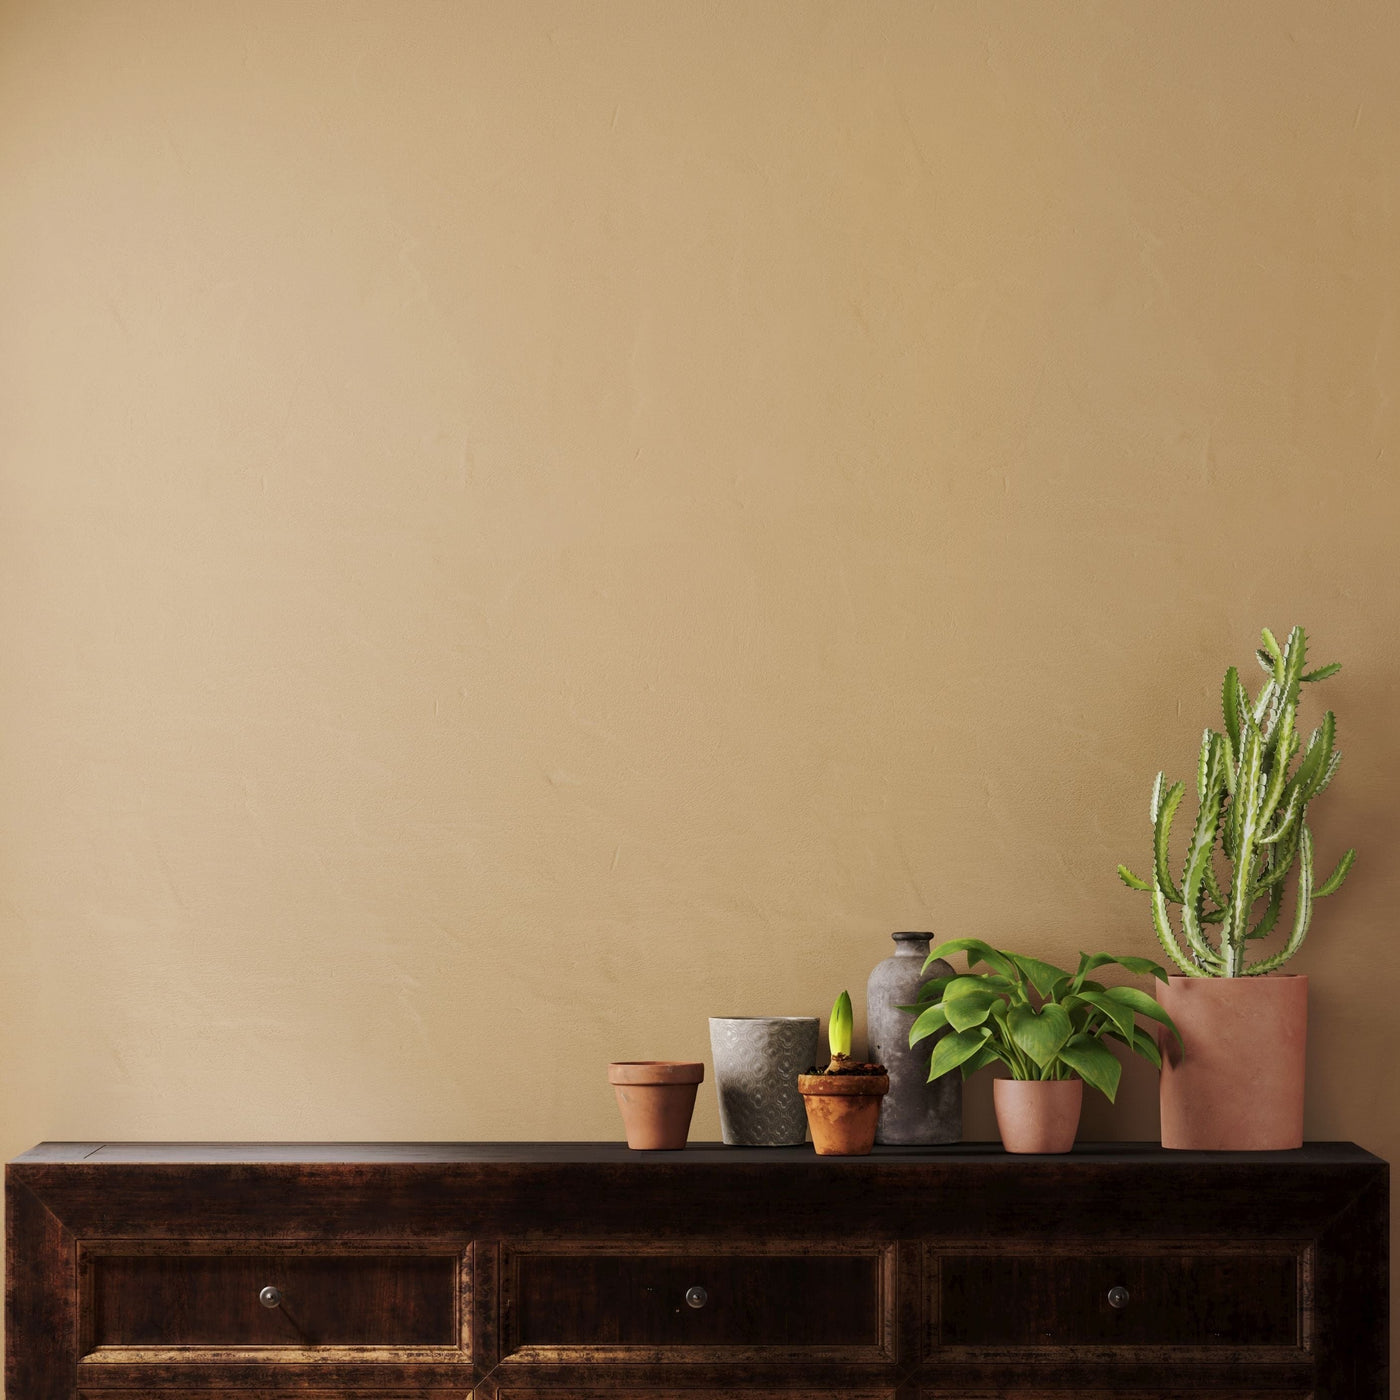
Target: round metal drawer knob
[1118, 1296]
[696, 1297]
[270, 1297]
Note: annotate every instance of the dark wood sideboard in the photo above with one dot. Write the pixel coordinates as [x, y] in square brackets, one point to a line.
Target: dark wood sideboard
[559, 1271]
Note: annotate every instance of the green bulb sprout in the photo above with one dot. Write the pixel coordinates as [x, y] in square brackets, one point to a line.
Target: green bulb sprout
[838, 1030]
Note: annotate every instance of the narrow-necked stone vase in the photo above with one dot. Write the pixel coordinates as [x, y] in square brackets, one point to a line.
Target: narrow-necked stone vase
[914, 1112]
[757, 1061]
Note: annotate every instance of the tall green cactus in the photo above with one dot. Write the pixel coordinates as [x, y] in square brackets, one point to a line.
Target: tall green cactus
[1253, 810]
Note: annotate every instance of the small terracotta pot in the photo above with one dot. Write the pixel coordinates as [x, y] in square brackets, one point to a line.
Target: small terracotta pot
[843, 1111]
[1235, 1084]
[1035, 1115]
[657, 1098]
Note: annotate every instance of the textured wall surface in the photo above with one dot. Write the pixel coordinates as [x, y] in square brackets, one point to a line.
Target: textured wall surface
[524, 525]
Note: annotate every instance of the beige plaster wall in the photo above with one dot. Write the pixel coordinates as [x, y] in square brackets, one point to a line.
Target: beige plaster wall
[524, 525]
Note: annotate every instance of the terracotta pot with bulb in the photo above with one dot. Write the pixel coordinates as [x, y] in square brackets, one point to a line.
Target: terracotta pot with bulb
[843, 1100]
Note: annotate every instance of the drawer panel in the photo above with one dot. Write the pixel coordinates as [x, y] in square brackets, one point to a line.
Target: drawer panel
[608, 1303]
[1167, 1298]
[726, 1389]
[327, 1300]
[1185, 1390]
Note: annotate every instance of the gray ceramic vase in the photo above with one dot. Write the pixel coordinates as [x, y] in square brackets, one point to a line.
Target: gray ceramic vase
[914, 1111]
[757, 1061]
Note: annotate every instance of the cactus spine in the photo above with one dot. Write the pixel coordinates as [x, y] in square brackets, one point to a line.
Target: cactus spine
[1253, 810]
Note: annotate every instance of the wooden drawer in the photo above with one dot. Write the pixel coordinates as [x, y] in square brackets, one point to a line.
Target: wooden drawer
[738, 1392]
[1250, 1302]
[745, 1392]
[609, 1303]
[335, 1299]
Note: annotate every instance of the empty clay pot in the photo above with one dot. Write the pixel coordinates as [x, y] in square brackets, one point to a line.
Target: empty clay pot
[1235, 1083]
[843, 1111]
[657, 1098]
[1036, 1115]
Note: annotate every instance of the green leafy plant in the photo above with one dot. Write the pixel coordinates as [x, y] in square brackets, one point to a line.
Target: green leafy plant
[1040, 1021]
[1251, 813]
[838, 1028]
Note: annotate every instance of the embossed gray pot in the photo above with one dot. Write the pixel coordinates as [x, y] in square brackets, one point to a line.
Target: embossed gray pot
[914, 1111]
[757, 1061]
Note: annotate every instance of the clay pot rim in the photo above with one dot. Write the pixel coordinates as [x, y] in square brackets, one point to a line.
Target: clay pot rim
[845, 1085]
[656, 1072]
[1262, 980]
[1036, 1083]
[764, 1018]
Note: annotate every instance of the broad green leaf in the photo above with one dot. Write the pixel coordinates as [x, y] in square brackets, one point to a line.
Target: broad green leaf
[966, 1012]
[1122, 1016]
[954, 1049]
[984, 953]
[1040, 1034]
[1094, 1064]
[1143, 1005]
[1041, 975]
[930, 1022]
[1145, 1046]
[1081, 1014]
[970, 985]
[1141, 967]
[933, 988]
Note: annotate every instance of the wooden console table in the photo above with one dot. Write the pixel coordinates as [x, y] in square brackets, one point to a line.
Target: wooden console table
[574, 1271]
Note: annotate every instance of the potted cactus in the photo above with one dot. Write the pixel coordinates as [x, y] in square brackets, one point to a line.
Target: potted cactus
[843, 1100]
[1236, 1081]
[1044, 1024]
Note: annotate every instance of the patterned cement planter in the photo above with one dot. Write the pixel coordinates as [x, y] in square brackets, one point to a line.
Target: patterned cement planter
[757, 1061]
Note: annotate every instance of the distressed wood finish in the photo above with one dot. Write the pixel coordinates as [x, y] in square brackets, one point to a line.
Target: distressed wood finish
[584, 1301]
[558, 1271]
[329, 1299]
[1181, 1303]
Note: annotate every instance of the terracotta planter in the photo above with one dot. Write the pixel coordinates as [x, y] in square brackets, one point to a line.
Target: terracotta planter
[1236, 1082]
[1038, 1115]
[657, 1098]
[843, 1111]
